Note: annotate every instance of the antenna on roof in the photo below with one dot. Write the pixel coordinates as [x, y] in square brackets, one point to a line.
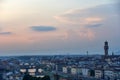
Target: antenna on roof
[87, 53]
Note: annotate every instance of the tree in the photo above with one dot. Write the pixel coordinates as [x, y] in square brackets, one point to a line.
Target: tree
[29, 77]
[46, 77]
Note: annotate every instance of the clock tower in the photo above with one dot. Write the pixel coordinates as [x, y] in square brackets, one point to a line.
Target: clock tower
[106, 47]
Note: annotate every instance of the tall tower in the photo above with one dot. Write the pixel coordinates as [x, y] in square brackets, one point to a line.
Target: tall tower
[106, 47]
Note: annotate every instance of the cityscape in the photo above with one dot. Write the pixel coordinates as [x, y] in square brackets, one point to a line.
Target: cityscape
[59, 40]
[62, 67]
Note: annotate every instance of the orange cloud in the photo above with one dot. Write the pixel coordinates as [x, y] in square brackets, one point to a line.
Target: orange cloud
[93, 19]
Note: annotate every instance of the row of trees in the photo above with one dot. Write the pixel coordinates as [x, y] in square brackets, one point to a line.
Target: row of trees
[29, 77]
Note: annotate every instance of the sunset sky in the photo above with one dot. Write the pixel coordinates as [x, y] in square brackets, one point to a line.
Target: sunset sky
[41, 27]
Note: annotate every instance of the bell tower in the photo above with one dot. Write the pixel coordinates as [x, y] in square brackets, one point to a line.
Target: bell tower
[106, 47]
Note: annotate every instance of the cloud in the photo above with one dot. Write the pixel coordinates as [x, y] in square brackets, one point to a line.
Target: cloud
[42, 28]
[87, 34]
[93, 19]
[92, 15]
[5, 33]
[79, 34]
[90, 19]
[94, 25]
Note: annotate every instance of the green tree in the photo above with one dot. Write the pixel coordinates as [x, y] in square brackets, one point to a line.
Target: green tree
[46, 77]
[28, 77]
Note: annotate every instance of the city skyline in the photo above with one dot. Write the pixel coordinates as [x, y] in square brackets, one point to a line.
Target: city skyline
[54, 26]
